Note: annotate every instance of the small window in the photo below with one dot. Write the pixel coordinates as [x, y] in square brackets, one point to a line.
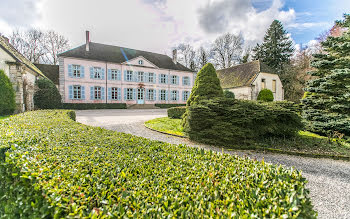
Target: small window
[114, 74]
[114, 93]
[76, 71]
[129, 75]
[150, 94]
[163, 79]
[140, 62]
[174, 95]
[77, 92]
[129, 93]
[173, 79]
[162, 94]
[186, 81]
[186, 95]
[141, 76]
[151, 77]
[274, 86]
[97, 93]
[97, 73]
[263, 83]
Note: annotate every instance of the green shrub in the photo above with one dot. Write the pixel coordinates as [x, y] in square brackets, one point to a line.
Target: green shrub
[295, 107]
[57, 168]
[265, 95]
[46, 95]
[229, 94]
[160, 105]
[223, 121]
[87, 106]
[176, 112]
[7, 95]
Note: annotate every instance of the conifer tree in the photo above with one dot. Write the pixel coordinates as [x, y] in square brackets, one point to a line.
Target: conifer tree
[7, 95]
[327, 105]
[277, 47]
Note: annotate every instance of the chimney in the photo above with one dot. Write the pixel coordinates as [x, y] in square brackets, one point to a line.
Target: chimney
[175, 56]
[87, 46]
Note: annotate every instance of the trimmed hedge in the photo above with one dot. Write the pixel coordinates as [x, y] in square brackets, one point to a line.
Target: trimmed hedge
[57, 168]
[176, 112]
[265, 95]
[229, 94]
[223, 121]
[87, 106]
[47, 95]
[7, 95]
[295, 107]
[165, 106]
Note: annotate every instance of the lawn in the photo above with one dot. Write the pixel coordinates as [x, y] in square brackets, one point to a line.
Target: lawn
[3, 117]
[58, 168]
[305, 142]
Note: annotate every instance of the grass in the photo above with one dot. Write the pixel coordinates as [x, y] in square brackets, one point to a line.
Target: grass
[3, 117]
[305, 142]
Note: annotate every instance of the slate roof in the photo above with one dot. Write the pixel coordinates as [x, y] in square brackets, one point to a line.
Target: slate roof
[242, 75]
[50, 71]
[5, 45]
[116, 54]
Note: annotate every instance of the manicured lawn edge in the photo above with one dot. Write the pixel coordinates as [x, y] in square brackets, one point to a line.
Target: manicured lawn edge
[271, 150]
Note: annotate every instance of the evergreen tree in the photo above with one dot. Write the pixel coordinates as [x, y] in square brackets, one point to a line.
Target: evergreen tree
[327, 105]
[277, 47]
[46, 95]
[7, 95]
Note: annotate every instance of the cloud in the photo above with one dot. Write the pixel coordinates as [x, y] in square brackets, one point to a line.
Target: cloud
[307, 25]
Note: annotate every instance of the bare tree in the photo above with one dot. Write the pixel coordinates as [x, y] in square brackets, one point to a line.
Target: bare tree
[187, 54]
[227, 50]
[54, 44]
[247, 55]
[202, 57]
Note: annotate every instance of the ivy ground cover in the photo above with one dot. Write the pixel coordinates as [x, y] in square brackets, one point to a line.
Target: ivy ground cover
[55, 167]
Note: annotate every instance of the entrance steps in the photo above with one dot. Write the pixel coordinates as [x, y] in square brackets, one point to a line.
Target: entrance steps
[142, 106]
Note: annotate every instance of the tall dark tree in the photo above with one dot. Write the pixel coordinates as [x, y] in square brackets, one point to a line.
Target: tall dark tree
[277, 47]
[327, 105]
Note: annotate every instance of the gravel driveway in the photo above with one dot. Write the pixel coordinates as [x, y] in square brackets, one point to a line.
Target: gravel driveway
[329, 180]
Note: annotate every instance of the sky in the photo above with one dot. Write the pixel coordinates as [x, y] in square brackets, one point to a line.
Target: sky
[160, 25]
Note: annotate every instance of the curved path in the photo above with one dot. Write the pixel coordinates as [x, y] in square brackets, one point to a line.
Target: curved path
[329, 180]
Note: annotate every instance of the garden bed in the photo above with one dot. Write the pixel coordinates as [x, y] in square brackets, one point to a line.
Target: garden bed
[55, 167]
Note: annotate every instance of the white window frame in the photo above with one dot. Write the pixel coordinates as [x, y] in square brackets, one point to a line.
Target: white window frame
[141, 76]
[162, 95]
[97, 73]
[173, 96]
[98, 93]
[186, 81]
[140, 62]
[129, 75]
[76, 71]
[163, 78]
[76, 92]
[174, 79]
[151, 75]
[150, 94]
[114, 74]
[129, 93]
[186, 95]
[114, 93]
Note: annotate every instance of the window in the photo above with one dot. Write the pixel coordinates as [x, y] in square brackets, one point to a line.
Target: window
[76, 92]
[114, 74]
[174, 95]
[163, 79]
[173, 79]
[151, 77]
[274, 86]
[150, 94]
[129, 75]
[97, 73]
[263, 83]
[129, 94]
[163, 95]
[140, 76]
[97, 93]
[186, 81]
[186, 95]
[114, 93]
[140, 62]
[76, 71]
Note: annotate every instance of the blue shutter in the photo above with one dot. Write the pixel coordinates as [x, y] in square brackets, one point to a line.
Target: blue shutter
[102, 93]
[147, 94]
[125, 94]
[154, 94]
[146, 77]
[159, 79]
[177, 95]
[70, 71]
[183, 80]
[92, 93]
[119, 94]
[82, 92]
[189, 81]
[166, 95]
[124, 75]
[109, 93]
[109, 74]
[70, 92]
[133, 93]
[159, 96]
[82, 71]
[134, 74]
[167, 79]
[177, 80]
[154, 78]
[119, 75]
[91, 72]
[103, 73]
[183, 95]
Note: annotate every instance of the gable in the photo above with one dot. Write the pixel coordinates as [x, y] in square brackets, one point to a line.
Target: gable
[5, 56]
[145, 62]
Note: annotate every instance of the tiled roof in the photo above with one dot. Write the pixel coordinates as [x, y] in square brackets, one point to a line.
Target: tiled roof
[116, 54]
[17, 55]
[242, 75]
[50, 71]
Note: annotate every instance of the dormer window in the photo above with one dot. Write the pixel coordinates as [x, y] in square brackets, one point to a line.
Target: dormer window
[140, 62]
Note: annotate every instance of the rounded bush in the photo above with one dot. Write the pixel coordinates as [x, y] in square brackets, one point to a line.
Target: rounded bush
[265, 95]
[176, 112]
[229, 94]
[46, 95]
[7, 95]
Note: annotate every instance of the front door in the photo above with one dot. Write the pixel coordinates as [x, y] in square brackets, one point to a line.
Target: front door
[140, 96]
